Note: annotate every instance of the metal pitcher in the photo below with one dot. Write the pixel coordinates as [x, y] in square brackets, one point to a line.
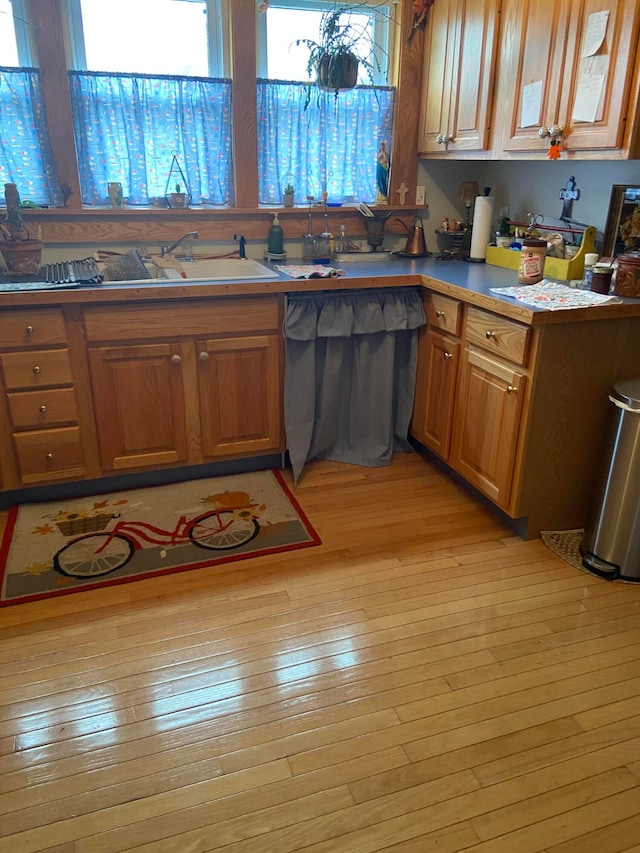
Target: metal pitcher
[415, 241]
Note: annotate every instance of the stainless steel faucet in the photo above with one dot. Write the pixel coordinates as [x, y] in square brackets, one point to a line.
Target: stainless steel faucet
[167, 250]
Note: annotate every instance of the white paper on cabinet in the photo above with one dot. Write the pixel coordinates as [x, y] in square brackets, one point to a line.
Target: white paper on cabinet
[595, 33]
[531, 104]
[588, 96]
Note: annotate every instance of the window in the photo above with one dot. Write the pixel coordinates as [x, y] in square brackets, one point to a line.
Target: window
[146, 91]
[148, 36]
[279, 58]
[332, 146]
[14, 34]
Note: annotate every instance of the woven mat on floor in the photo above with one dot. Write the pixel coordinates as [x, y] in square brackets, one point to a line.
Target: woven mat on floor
[566, 544]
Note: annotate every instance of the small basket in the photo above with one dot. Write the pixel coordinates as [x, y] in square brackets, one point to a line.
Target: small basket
[91, 524]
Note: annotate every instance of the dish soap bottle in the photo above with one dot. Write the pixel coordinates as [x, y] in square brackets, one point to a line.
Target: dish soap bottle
[275, 238]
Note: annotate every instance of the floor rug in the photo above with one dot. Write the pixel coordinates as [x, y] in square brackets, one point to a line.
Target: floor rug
[65, 546]
[566, 544]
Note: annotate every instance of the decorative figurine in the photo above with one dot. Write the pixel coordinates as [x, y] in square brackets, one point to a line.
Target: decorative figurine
[382, 175]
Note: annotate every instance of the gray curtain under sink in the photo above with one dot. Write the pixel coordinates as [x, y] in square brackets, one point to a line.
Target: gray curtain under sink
[350, 374]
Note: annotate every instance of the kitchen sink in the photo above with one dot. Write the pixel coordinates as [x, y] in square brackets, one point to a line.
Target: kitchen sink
[221, 269]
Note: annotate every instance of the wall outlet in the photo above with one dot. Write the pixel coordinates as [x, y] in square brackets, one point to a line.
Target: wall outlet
[420, 195]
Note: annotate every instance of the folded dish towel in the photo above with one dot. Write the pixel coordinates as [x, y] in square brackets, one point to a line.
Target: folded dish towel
[553, 296]
[310, 271]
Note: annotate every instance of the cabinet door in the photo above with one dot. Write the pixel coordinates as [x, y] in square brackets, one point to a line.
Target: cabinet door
[239, 395]
[140, 404]
[600, 77]
[433, 410]
[487, 415]
[533, 44]
[458, 76]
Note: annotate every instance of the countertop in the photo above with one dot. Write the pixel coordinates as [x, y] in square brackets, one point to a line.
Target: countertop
[470, 282]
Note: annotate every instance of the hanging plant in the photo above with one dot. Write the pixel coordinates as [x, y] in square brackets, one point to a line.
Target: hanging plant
[334, 59]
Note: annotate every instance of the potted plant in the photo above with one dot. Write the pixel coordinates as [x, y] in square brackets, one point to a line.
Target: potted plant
[21, 254]
[287, 195]
[178, 198]
[334, 60]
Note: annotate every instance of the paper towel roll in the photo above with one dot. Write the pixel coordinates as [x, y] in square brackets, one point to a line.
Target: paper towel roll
[482, 224]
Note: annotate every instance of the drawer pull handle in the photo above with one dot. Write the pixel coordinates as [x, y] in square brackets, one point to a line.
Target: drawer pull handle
[36, 370]
[512, 389]
[203, 356]
[176, 359]
[29, 330]
[49, 457]
[43, 409]
[448, 356]
[439, 313]
[489, 335]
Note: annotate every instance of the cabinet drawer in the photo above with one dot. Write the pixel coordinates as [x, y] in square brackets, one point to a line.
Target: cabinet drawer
[498, 335]
[444, 313]
[199, 318]
[42, 408]
[49, 454]
[36, 369]
[31, 328]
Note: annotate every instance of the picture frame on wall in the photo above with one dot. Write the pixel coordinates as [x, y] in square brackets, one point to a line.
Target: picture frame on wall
[624, 201]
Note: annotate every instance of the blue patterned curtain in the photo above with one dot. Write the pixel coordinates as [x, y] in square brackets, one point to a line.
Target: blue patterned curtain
[128, 126]
[25, 151]
[331, 146]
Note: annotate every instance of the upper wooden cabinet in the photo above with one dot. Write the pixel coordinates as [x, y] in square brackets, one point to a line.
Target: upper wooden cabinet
[458, 77]
[570, 63]
[556, 63]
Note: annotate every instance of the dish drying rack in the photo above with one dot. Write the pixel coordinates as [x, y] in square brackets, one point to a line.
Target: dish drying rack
[560, 269]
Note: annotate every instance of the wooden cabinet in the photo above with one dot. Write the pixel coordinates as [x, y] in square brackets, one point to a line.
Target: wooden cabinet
[458, 77]
[39, 417]
[140, 404]
[486, 422]
[550, 62]
[470, 393]
[186, 383]
[439, 349]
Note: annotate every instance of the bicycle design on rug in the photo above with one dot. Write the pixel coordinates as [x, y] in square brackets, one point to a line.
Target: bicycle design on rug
[96, 551]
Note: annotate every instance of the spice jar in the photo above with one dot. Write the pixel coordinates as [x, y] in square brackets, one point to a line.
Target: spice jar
[601, 278]
[627, 282]
[532, 257]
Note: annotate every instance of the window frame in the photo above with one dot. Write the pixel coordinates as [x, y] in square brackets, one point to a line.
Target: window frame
[22, 27]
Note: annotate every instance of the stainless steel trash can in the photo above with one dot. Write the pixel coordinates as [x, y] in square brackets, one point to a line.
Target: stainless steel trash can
[611, 542]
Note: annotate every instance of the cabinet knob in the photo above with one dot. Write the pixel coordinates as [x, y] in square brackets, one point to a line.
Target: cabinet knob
[489, 335]
[512, 389]
[443, 138]
[554, 132]
[36, 369]
[439, 313]
[203, 356]
[448, 356]
[43, 409]
[176, 359]
[49, 457]
[29, 330]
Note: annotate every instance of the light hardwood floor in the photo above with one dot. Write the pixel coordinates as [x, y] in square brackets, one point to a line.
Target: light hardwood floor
[424, 680]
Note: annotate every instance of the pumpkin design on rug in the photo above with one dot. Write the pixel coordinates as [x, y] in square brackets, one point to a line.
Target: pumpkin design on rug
[64, 546]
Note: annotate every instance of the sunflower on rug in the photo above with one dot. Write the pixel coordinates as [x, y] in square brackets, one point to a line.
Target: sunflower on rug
[52, 548]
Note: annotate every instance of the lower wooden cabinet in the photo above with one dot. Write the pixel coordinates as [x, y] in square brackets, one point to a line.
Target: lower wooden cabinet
[171, 398]
[239, 395]
[140, 405]
[470, 392]
[486, 423]
[435, 392]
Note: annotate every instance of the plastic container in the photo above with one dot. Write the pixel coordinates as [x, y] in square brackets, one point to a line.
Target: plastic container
[532, 258]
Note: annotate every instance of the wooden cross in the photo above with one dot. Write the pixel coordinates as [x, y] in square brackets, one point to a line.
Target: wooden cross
[402, 191]
[569, 194]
